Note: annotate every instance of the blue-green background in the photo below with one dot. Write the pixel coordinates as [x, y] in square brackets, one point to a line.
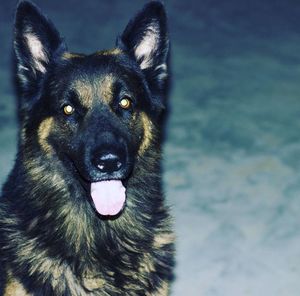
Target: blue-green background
[232, 153]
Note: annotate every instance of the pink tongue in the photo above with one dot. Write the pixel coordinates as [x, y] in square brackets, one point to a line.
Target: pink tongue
[108, 196]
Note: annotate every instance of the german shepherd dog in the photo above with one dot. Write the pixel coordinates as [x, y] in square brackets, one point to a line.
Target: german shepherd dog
[82, 212]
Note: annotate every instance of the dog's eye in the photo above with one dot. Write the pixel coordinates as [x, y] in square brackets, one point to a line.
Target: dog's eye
[125, 103]
[68, 109]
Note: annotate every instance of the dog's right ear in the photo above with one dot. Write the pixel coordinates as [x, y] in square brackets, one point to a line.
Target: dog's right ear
[36, 43]
[146, 40]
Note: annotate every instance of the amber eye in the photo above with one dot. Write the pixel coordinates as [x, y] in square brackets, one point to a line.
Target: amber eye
[69, 110]
[125, 103]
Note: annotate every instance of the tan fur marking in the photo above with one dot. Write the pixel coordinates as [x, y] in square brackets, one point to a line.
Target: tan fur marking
[163, 290]
[92, 283]
[69, 55]
[114, 51]
[43, 133]
[146, 265]
[163, 239]
[102, 89]
[147, 127]
[85, 92]
[70, 222]
[106, 89]
[14, 287]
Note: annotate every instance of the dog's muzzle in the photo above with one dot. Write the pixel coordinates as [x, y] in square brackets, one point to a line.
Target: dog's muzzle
[106, 165]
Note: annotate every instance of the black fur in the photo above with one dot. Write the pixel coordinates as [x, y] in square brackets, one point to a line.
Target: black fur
[52, 239]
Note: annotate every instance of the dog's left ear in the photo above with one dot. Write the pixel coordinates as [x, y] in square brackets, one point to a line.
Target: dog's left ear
[146, 40]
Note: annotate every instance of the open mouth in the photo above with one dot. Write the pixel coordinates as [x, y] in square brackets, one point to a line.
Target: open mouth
[108, 196]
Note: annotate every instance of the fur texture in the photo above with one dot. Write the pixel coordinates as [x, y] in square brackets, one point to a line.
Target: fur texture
[74, 130]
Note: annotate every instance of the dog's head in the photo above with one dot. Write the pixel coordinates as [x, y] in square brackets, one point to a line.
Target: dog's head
[95, 113]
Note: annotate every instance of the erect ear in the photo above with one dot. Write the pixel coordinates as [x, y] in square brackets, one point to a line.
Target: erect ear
[36, 42]
[146, 40]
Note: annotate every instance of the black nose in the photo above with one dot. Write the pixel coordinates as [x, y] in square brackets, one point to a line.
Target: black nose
[109, 163]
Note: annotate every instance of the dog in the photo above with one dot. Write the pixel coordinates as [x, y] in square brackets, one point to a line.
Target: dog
[82, 212]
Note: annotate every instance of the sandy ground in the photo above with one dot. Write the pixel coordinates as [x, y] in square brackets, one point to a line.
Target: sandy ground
[232, 153]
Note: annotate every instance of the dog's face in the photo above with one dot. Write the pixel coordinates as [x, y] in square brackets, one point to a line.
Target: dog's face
[93, 105]
[95, 113]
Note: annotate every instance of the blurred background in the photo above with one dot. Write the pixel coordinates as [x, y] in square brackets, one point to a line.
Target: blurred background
[232, 152]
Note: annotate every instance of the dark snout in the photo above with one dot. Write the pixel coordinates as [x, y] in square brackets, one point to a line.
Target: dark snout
[106, 157]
